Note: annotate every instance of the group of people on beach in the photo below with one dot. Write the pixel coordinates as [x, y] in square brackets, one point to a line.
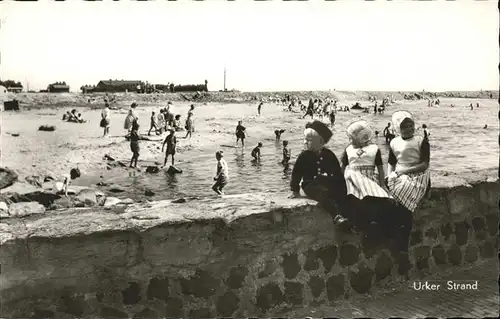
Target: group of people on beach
[165, 121]
[356, 190]
[73, 117]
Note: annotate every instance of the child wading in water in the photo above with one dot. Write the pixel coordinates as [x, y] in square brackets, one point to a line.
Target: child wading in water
[426, 132]
[134, 143]
[171, 142]
[222, 174]
[256, 152]
[240, 133]
[286, 154]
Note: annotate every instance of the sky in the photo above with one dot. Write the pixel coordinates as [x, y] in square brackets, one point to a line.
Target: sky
[265, 46]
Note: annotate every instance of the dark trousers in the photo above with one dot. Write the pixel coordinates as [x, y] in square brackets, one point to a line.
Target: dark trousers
[388, 217]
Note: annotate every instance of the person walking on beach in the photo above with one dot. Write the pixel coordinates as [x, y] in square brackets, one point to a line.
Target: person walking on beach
[222, 176]
[240, 133]
[332, 116]
[286, 154]
[171, 142]
[134, 144]
[256, 152]
[105, 119]
[259, 107]
[310, 109]
[190, 122]
[153, 124]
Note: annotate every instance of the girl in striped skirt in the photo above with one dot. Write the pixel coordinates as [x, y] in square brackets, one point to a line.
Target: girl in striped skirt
[408, 175]
[359, 161]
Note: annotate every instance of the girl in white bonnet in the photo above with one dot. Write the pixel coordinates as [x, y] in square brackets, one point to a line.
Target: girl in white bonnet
[408, 175]
[359, 161]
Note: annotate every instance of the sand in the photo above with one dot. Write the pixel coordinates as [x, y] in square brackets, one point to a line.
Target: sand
[458, 141]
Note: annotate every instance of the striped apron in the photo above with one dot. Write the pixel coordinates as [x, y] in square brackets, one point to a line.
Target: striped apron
[362, 181]
[409, 189]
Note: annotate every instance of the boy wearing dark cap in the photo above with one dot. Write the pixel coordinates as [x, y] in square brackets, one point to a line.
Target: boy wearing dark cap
[319, 170]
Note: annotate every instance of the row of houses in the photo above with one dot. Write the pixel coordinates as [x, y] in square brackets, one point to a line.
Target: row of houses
[114, 86]
[17, 87]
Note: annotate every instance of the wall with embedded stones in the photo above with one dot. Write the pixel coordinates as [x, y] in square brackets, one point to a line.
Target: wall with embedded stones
[245, 255]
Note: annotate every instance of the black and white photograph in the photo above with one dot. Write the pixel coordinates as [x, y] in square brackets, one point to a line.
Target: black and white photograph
[249, 159]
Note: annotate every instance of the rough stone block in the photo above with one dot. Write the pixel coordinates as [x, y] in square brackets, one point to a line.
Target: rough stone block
[237, 277]
[404, 264]
[108, 312]
[492, 224]
[446, 231]
[462, 201]
[202, 284]
[415, 237]
[461, 233]
[201, 313]
[72, 305]
[349, 255]
[158, 288]
[439, 255]
[43, 314]
[436, 205]
[454, 255]
[291, 266]
[293, 293]
[269, 296]
[361, 280]
[317, 285]
[26, 209]
[478, 223]
[488, 196]
[189, 243]
[481, 235]
[174, 308]
[227, 304]
[312, 262]
[471, 253]
[335, 287]
[270, 267]
[383, 266]
[422, 255]
[328, 256]
[132, 294]
[431, 233]
[487, 250]
[146, 313]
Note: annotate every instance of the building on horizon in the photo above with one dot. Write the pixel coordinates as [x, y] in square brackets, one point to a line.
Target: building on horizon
[58, 87]
[113, 86]
[87, 89]
[15, 89]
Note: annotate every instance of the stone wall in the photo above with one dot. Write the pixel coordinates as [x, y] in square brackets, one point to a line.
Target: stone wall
[243, 255]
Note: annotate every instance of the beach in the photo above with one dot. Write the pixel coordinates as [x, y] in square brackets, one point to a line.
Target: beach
[459, 143]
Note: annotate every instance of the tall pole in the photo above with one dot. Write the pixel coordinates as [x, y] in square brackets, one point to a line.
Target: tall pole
[224, 78]
[2, 21]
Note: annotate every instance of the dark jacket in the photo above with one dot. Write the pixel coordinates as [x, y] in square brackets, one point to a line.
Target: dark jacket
[322, 167]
